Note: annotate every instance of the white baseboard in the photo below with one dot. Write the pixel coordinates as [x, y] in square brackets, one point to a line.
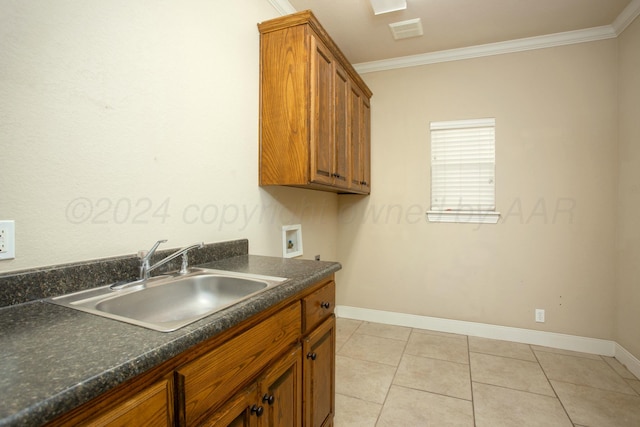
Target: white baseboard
[526, 336]
[627, 359]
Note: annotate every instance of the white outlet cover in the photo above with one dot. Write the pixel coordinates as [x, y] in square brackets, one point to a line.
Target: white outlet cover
[8, 240]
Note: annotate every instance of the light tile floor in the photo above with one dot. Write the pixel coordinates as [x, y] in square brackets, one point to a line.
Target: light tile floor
[396, 376]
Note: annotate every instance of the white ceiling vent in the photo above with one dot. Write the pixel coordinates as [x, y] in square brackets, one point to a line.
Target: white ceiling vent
[406, 29]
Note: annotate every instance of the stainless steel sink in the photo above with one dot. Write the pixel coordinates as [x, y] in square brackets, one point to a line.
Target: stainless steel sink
[167, 303]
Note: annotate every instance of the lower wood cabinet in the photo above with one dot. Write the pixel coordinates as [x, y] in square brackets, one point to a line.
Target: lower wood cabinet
[319, 374]
[276, 369]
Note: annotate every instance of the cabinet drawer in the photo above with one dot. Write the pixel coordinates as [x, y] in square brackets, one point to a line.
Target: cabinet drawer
[208, 381]
[151, 407]
[318, 306]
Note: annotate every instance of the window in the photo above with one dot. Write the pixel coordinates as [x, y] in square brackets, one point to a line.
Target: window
[463, 171]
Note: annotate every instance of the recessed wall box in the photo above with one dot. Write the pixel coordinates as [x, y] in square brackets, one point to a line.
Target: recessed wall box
[291, 240]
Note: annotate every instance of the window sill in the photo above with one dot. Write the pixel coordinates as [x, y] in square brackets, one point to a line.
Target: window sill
[464, 217]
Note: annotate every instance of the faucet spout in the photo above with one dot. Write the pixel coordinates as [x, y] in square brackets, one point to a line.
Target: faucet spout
[146, 269]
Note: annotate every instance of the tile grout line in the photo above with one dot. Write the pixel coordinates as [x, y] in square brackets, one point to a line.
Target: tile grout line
[552, 387]
[505, 357]
[473, 400]
[520, 390]
[394, 377]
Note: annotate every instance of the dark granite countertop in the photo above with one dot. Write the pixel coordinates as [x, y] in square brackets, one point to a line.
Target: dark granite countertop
[55, 358]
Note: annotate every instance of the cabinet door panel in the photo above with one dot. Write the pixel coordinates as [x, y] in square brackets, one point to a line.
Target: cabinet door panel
[321, 113]
[355, 138]
[281, 389]
[319, 374]
[341, 128]
[236, 412]
[366, 146]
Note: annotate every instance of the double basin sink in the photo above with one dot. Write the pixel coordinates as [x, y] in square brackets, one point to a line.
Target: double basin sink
[169, 302]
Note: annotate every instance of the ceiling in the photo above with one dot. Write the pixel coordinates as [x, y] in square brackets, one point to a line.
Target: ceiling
[453, 24]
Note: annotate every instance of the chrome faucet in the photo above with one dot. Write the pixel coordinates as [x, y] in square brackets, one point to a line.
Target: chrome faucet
[146, 268]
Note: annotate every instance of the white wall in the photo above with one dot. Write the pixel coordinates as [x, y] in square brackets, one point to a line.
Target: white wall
[554, 248]
[126, 121]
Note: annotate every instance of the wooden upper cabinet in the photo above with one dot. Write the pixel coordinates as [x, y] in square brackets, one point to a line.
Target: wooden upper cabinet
[306, 113]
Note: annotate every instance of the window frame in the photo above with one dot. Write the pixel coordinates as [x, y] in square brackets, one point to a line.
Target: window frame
[449, 213]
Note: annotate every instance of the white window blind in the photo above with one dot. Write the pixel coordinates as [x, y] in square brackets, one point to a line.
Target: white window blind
[463, 166]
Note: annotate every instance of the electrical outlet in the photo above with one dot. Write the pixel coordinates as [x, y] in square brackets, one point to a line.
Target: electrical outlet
[7, 240]
[540, 315]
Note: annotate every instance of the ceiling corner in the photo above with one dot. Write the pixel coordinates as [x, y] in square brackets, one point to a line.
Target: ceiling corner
[627, 16]
[282, 6]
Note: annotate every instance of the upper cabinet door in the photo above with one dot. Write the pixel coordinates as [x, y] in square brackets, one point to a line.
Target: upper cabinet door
[365, 145]
[322, 138]
[341, 128]
[355, 138]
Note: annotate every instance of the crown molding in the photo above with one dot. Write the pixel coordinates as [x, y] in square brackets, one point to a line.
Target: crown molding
[626, 17]
[283, 7]
[511, 46]
[631, 12]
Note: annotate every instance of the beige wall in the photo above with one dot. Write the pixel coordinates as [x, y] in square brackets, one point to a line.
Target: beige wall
[628, 310]
[556, 118]
[123, 122]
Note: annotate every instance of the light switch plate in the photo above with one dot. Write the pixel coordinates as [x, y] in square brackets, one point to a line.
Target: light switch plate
[7, 240]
